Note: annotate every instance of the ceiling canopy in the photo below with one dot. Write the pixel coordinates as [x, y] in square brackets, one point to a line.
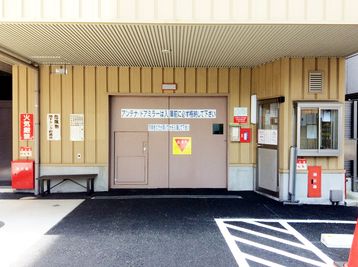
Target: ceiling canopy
[174, 45]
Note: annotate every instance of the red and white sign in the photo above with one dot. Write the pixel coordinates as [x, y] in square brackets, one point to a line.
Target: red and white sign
[25, 152]
[301, 164]
[240, 115]
[26, 126]
[240, 119]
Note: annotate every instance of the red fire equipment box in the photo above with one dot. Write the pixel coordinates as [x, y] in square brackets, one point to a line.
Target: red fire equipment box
[314, 181]
[245, 135]
[22, 174]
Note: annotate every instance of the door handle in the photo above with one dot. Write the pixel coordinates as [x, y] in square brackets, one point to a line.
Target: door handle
[144, 147]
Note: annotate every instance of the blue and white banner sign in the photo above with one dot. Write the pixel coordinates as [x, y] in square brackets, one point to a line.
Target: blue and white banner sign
[129, 113]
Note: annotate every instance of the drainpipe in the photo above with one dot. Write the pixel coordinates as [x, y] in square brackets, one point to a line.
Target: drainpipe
[37, 131]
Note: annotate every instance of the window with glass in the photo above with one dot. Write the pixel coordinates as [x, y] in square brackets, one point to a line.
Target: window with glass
[318, 127]
[268, 124]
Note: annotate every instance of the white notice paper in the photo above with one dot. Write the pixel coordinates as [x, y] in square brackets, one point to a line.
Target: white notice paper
[238, 111]
[267, 137]
[77, 122]
[261, 136]
[312, 131]
[53, 127]
[235, 134]
[326, 116]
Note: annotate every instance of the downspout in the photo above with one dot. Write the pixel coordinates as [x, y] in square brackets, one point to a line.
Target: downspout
[37, 131]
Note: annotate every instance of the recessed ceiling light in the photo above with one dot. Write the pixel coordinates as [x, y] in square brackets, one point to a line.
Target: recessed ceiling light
[165, 51]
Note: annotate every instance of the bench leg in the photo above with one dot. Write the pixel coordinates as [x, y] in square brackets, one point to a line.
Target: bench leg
[88, 187]
[42, 187]
[48, 186]
[92, 185]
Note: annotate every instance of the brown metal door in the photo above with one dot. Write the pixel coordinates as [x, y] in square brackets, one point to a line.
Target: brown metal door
[127, 137]
[130, 164]
[206, 165]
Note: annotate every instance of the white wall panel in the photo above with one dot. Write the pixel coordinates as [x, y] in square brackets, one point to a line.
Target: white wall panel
[278, 11]
[165, 9]
[146, 9]
[127, 10]
[186, 11]
[202, 10]
[334, 10]
[108, 9]
[32, 9]
[350, 10]
[52, 9]
[240, 9]
[296, 10]
[12, 9]
[221, 9]
[315, 10]
[70, 9]
[259, 9]
[90, 9]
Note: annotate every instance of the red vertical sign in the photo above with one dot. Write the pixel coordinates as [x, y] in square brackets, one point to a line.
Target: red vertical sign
[26, 126]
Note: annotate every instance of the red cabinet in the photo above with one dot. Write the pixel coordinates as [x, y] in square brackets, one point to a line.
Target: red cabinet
[314, 181]
[22, 174]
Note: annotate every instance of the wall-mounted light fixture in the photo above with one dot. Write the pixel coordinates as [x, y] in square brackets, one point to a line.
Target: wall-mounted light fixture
[61, 70]
[253, 109]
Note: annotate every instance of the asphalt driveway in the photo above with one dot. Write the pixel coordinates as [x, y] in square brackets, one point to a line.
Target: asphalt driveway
[182, 231]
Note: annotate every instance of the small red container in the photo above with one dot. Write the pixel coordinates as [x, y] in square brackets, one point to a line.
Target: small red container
[22, 174]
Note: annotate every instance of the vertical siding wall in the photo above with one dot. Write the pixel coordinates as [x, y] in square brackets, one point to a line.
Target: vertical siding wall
[86, 90]
[25, 82]
[289, 78]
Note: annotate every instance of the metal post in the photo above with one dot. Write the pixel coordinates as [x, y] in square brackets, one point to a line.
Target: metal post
[293, 171]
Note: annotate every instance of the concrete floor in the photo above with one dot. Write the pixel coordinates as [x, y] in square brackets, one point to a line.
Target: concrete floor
[176, 231]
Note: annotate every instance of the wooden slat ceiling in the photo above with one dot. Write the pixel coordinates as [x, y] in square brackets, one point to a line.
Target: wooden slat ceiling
[189, 45]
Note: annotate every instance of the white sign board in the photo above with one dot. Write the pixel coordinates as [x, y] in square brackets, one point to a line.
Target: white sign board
[25, 152]
[168, 127]
[53, 127]
[77, 131]
[129, 113]
[301, 164]
[240, 111]
[267, 137]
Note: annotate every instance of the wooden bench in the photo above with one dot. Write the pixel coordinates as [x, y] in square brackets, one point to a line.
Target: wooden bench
[66, 177]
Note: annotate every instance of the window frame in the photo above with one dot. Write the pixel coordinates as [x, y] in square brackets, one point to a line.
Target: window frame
[320, 106]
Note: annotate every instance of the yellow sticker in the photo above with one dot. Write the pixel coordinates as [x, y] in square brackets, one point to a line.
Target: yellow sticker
[181, 145]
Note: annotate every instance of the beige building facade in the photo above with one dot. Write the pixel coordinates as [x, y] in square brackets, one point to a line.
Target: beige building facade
[81, 57]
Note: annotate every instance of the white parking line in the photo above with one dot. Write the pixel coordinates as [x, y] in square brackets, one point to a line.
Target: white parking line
[234, 240]
[273, 238]
[308, 244]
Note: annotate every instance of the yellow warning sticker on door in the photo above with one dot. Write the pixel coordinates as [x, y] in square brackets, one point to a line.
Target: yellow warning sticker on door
[181, 145]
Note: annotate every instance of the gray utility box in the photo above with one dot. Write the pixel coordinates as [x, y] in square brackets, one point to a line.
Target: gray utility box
[336, 196]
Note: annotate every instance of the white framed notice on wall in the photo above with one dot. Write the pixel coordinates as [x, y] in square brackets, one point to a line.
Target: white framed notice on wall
[53, 127]
[77, 122]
